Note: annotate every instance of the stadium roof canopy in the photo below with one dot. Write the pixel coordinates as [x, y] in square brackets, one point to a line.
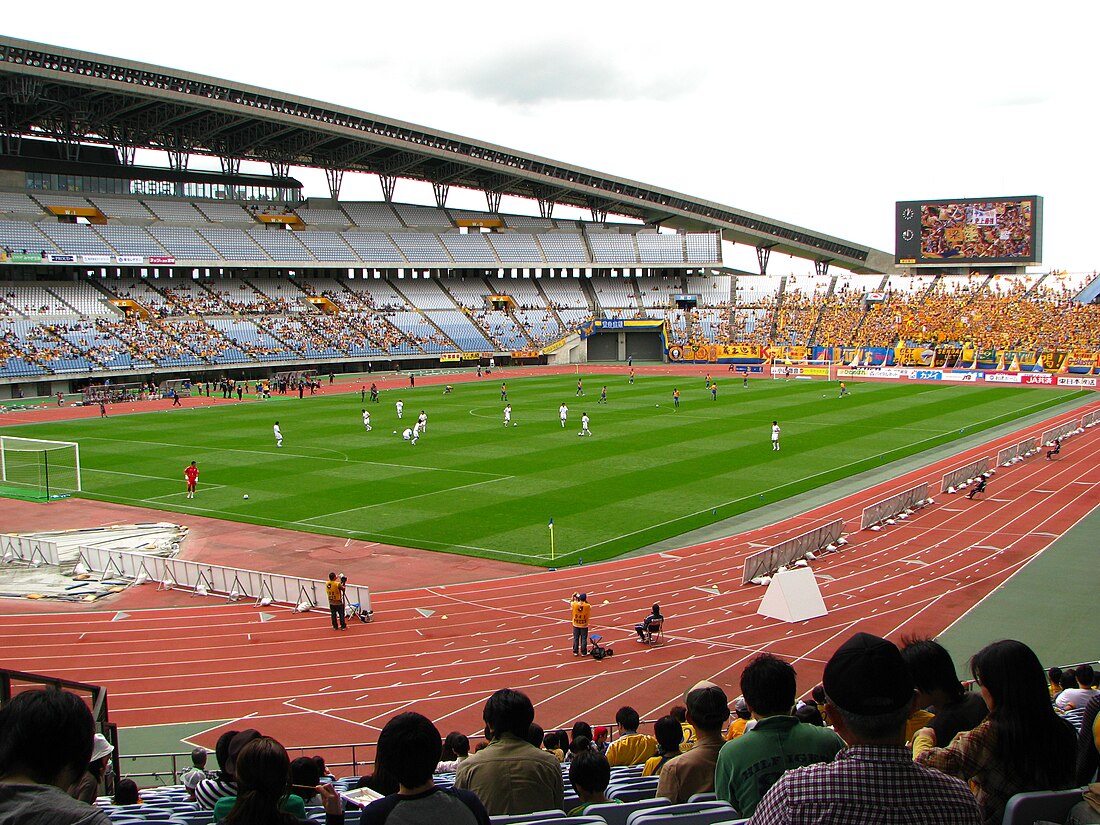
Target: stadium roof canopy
[80, 97]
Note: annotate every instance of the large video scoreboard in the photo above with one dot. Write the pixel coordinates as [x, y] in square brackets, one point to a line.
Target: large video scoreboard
[969, 231]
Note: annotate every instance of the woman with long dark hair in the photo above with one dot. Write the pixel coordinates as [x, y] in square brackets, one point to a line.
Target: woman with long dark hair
[263, 788]
[1021, 746]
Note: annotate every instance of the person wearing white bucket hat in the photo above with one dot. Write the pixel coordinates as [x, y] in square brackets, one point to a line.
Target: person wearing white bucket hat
[86, 788]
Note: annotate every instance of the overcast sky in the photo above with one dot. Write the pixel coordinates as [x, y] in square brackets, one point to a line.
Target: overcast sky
[819, 114]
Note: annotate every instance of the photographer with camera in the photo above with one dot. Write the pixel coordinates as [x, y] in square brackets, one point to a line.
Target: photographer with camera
[580, 611]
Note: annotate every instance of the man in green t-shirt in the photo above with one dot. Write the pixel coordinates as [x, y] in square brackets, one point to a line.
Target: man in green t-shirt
[750, 764]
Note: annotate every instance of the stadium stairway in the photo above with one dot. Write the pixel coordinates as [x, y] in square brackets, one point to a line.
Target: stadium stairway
[424, 317]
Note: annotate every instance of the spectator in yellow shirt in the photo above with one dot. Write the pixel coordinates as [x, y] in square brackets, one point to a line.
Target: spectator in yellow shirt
[680, 714]
[631, 748]
[669, 736]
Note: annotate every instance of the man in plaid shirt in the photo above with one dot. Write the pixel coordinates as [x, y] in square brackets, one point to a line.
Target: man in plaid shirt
[869, 697]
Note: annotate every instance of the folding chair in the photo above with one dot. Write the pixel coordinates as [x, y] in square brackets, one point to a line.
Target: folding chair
[653, 633]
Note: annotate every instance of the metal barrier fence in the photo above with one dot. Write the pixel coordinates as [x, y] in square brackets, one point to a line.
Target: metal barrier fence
[159, 769]
[960, 476]
[207, 579]
[1061, 431]
[768, 561]
[1018, 451]
[895, 505]
[27, 550]
[1090, 419]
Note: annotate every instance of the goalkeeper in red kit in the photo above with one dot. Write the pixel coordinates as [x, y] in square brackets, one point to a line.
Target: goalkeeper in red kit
[191, 473]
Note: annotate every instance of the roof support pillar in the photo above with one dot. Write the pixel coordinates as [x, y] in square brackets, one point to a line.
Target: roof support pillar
[126, 153]
[763, 253]
[598, 209]
[821, 268]
[335, 179]
[492, 200]
[546, 208]
[230, 166]
[389, 183]
[441, 191]
[10, 141]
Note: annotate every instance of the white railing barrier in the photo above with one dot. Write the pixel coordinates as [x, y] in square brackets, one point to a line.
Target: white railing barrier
[27, 550]
[1017, 452]
[964, 475]
[206, 579]
[897, 505]
[766, 562]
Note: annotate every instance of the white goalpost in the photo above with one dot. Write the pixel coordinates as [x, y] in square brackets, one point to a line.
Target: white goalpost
[39, 470]
[822, 368]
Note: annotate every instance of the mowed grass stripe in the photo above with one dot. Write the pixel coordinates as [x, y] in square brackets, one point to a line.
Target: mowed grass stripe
[473, 486]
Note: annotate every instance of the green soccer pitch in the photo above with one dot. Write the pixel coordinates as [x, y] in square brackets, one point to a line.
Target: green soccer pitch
[649, 471]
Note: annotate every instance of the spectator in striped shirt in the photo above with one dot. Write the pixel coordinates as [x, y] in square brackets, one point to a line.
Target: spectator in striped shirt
[209, 791]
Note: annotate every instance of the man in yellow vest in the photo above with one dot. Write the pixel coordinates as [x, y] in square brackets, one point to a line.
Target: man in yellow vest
[335, 591]
[580, 610]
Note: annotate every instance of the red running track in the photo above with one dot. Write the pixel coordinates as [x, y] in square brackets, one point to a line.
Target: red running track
[442, 650]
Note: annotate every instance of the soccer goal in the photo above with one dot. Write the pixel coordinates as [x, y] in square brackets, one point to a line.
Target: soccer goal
[803, 368]
[38, 470]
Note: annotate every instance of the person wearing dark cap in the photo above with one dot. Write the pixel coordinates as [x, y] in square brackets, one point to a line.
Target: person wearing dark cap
[649, 624]
[692, 772]
[750, 764]
[742, 721]
[869, 696]
[580, 611]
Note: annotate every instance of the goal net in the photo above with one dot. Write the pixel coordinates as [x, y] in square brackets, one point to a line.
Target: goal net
[803, 368]
[38, 470]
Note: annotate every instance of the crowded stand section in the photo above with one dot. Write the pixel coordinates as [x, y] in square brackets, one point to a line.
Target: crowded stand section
[211, 284]
[889, 729]
[246, 319]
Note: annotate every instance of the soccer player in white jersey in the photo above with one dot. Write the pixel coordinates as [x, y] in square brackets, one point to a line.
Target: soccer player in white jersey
[584, 425]
[278, 435]
[507, 415]
[409, 435]
[422, 420]
[775, 436]
[417, 429]
[366, 420]
[400, 407]
[563, 413]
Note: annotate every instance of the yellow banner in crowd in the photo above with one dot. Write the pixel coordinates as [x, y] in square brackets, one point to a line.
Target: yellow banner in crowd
[713, 352]
[739, 351]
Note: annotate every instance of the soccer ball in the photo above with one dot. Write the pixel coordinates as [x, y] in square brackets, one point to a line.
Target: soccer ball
[245, 496]
[395, 432]
[656, 405]
[515, 423]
